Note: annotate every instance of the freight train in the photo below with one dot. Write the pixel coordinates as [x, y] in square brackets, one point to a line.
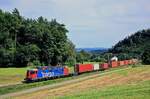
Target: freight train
[52, 72]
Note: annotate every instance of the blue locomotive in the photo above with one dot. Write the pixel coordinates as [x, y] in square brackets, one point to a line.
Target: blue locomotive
[46, 72]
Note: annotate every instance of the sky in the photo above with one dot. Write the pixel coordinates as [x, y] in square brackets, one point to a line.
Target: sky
[91, 23]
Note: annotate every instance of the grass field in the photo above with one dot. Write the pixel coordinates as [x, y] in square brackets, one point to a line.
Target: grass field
[133, 86]
[132, 83]
[21, 87]
[137, 90]
[11, 75]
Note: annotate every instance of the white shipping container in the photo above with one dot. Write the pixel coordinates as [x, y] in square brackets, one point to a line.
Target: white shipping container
[96, 66]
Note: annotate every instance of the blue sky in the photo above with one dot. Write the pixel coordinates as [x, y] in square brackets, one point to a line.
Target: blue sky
[91, 23]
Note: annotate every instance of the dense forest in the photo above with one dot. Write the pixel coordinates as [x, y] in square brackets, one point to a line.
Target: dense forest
[134, 46]
[26, 41]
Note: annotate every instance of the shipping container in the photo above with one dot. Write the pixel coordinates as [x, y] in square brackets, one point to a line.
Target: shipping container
[80, 68]
[130, 62]
[120, 63]
[96, 66]
[104, 66]
[114, 64]
[126, 62]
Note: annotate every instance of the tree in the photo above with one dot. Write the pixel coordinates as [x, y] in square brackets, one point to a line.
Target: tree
[70, 54]
[24, 41]
[133, 45]
[83, 56]
[146, 56]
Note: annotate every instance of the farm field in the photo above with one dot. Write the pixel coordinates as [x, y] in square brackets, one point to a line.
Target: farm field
[9, 76]
[132, 83]
[25, 86]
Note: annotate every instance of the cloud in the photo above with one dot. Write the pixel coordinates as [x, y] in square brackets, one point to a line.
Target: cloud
[90, 22]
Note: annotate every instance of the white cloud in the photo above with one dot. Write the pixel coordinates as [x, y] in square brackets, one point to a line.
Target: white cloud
[90, 22]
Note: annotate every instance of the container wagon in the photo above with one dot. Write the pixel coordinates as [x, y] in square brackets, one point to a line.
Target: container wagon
[114, 64]
[81, 68]
[104, 66]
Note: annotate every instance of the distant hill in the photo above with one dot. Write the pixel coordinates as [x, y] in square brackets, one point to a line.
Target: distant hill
[92, 49]
[134, 44]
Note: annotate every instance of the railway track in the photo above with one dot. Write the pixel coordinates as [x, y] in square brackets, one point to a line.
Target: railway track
[60, 84]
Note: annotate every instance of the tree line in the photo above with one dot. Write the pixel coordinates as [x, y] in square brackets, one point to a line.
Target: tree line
[26, 41]
[136, 45]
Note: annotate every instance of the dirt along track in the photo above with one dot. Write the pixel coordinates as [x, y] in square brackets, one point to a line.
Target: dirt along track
[4, 85]
[52, 86]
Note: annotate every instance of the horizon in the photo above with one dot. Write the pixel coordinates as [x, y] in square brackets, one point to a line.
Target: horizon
[97, 23]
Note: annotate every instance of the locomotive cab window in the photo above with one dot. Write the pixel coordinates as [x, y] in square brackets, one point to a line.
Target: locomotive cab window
[32, 72]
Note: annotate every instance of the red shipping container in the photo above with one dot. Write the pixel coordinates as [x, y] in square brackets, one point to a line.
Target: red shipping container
[130, 62]
[104, 66]
[84, 68]
[120, 63]
[114, 64]
[126, 62]
[66, 71]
